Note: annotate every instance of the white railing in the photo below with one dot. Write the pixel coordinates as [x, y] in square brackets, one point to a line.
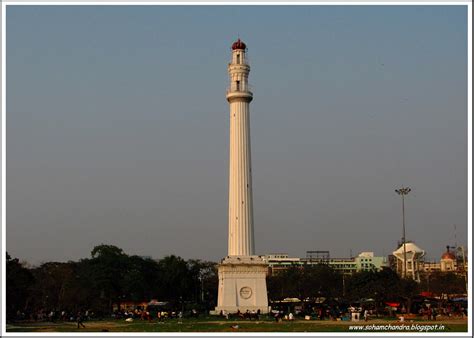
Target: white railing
[239, 88]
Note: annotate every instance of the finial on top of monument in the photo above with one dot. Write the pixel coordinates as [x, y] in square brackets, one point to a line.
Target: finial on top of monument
[238, 45]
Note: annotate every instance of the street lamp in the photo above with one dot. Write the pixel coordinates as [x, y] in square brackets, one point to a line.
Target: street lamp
[402, 192]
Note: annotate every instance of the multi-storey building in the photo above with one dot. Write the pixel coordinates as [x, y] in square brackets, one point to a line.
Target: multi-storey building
[365, 261]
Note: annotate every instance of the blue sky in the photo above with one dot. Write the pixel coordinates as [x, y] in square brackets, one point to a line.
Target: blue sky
[117, 128]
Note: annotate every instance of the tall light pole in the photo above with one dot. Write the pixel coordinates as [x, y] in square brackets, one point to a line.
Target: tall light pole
[402, 192]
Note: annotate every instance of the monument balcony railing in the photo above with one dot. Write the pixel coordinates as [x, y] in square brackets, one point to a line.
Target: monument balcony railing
[239, 88]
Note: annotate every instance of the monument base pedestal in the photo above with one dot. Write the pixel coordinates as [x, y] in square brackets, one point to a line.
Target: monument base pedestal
[242, 285]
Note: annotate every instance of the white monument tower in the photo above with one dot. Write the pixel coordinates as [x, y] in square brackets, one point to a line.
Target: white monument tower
[242, 284]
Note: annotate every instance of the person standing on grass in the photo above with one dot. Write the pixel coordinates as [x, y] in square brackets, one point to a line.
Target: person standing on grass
[80, 320]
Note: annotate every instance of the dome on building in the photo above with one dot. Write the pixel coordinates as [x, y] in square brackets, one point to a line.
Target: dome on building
[238, 45]
[448, 255]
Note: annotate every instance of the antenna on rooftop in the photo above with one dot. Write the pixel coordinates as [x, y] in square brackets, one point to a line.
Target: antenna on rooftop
[455, 236]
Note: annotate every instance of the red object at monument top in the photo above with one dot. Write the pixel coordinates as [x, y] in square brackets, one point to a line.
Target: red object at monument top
[238, 45]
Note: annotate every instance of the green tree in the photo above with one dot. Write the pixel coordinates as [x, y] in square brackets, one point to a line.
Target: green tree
[443, 283]
[53, 284]
[141, 279]
[108, 277]
[19, 281]
[308, 281]
[380, 285]
[209, 284]
[175, 281]
[285, 284]
[384, 285]
[108, 267]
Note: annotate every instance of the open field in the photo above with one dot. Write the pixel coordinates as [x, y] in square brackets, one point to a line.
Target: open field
[218, 325]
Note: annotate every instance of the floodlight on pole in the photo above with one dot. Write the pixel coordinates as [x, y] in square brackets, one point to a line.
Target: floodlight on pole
[402, 192]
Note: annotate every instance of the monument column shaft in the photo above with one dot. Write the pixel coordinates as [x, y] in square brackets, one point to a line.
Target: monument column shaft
[241, 236]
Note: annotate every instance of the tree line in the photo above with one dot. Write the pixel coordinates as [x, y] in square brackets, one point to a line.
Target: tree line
[110, 276]
[313, 281]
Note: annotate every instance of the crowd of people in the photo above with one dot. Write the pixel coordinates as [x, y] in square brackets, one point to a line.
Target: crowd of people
[241, 315]
[427, 311]
[358, 312]
[54, 316]
[445, 311]
[146, 314]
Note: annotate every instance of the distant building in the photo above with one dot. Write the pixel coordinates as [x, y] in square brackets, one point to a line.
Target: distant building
[280, 261]
[365, 261]
[430, 267]
[414, 260]
[449, 262]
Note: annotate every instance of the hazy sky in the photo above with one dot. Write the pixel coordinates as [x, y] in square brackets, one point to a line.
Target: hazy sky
[117, 128]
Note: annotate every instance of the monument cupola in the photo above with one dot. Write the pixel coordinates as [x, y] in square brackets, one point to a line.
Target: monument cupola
[239, 69]
[239, 45]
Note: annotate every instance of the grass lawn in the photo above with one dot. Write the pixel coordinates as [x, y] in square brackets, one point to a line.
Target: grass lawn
[213, 324]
